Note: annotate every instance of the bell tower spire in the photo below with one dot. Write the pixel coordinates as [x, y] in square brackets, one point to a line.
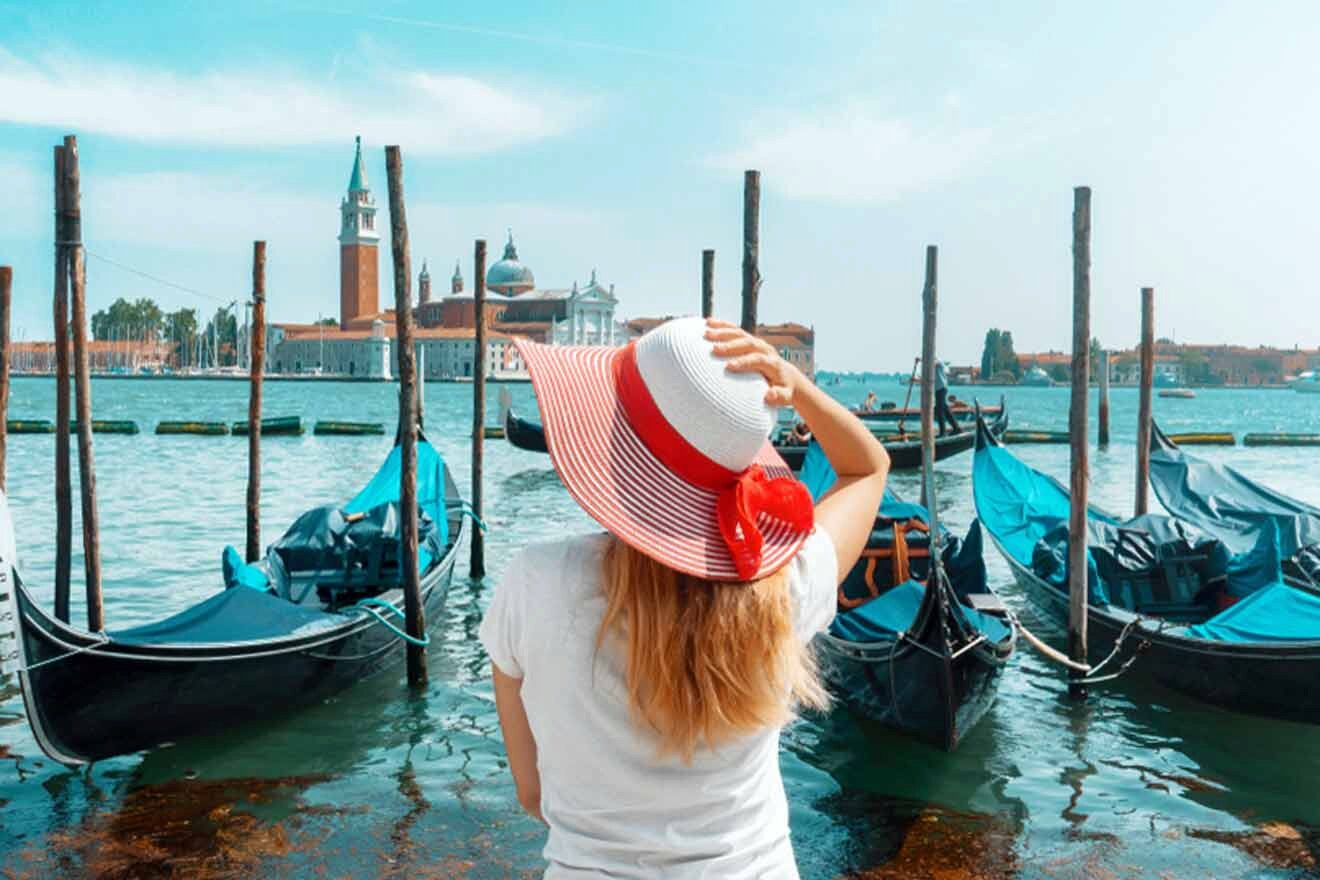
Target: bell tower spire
[358, 244]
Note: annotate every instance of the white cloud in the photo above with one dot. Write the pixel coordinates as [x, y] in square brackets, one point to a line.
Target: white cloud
[428, 112]
[854, 153]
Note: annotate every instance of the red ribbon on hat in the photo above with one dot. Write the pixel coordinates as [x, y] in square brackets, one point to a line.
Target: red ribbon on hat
[743, 496]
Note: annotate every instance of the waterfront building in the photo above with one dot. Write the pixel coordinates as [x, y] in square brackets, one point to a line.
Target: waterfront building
[580, 315]
[103, 356]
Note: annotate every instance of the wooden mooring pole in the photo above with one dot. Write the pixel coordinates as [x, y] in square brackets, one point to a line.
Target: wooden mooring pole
[63, 479]
[1077, 417]
[477, 561]
[414, 621]
[1102, 364]
[82, 386]
[257, 348]
[6, 285]
[707, 283]
[751, 269]
[1143, 411]
[929, 303]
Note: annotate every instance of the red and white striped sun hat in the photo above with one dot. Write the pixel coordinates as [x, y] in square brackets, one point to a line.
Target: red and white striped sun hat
[670, 452]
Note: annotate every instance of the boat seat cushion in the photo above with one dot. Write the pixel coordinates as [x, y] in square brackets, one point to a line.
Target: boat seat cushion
[881, 619]
[895, 610]
[238, 573]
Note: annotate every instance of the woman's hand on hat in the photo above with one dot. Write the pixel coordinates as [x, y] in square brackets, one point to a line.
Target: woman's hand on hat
[747, 354]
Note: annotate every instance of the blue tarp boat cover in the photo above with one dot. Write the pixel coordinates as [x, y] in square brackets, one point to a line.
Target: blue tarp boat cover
[894, 610]
[1277, 613]
[384, 487]
[1022, 507]
[237, 615]
[1227, 504]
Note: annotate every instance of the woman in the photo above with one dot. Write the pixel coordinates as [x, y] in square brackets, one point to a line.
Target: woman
[642, 676]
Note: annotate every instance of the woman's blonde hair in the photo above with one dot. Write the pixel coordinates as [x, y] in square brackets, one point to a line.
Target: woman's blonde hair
[705, 661]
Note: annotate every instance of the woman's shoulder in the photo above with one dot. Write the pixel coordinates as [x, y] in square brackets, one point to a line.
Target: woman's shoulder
[571, 560]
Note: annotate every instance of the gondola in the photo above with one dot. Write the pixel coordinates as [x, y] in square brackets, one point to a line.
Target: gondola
[321, 611]
[1234, 508]
[905, 453]
[1219, 621]
[524, 433]
[923, 659]
[961, 411]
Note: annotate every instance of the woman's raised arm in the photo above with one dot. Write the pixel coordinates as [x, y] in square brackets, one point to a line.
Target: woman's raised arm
[847, 511]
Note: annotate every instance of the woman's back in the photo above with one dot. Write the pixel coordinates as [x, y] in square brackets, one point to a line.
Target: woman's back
[616, 805]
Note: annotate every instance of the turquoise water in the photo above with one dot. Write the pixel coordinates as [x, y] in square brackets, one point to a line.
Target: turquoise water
[1135, 782]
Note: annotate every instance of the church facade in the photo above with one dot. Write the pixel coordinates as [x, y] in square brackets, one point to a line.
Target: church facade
[361, 345]
[579, 315]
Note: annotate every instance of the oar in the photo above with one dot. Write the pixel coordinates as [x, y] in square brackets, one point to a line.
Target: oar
[902, 416]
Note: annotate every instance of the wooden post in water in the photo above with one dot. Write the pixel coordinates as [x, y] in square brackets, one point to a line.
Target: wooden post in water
[1143, 411]
[63, 479]
[421, 386]
[257, 357]
[707, 283]
[1077, 416]
[1102, 364]
[82, 385]
[751, 271]
[477, 561]
[414, 620]
[6, 284]
[929, 303]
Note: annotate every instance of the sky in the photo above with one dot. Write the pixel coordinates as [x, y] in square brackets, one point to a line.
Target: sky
[613, 137]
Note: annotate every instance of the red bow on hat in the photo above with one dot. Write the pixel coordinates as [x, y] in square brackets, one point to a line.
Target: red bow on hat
[753, 494]
[743, 496]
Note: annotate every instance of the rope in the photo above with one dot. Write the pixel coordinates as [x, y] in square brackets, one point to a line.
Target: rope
[1048, 652]
[371, 603]
[101, 640]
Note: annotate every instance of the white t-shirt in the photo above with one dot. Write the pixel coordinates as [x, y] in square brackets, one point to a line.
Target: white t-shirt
[614, 808]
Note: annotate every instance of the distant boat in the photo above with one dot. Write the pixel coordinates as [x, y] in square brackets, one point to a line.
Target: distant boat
[1036, 378]
[1307, 383]
[1179, 393]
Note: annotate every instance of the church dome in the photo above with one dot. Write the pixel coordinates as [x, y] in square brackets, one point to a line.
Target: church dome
[509, 276]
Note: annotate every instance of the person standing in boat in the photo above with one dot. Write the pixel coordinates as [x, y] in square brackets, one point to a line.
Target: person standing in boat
[942, 412]
[870, 403]
[642, 675]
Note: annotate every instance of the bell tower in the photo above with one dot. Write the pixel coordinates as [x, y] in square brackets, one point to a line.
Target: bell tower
[358, 241]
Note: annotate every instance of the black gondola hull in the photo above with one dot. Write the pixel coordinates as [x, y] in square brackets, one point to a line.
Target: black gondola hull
[906, 454]
[916, 687]
[114, 698]
[1274, 681]
[524, 434]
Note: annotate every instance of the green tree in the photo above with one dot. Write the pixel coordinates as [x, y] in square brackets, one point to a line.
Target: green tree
[1006, 357]
[141, 319]
[224, 326]
[328, 322]
[1060, 373]
[990, 353]
[180, 328]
